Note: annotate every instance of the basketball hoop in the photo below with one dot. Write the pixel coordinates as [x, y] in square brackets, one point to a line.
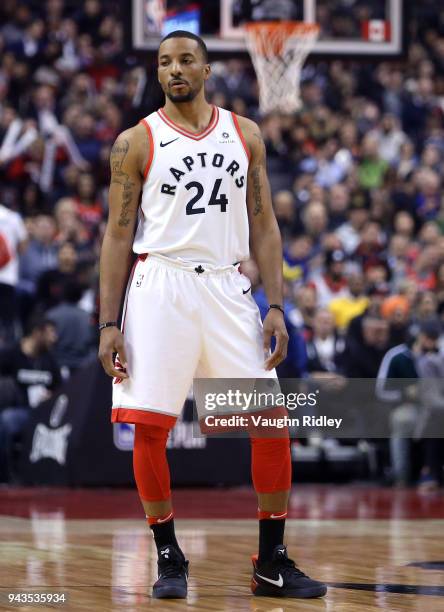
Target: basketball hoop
[278, 50]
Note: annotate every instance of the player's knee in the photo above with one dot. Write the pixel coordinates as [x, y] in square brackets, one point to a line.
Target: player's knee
[150, 464]
[272, 450]
[150, 433]
[271, 464]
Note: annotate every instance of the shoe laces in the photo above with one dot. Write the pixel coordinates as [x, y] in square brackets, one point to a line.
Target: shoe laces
[288, 566]
[170, 568]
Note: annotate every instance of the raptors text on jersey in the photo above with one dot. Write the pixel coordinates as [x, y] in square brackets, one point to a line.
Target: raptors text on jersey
[193, 203]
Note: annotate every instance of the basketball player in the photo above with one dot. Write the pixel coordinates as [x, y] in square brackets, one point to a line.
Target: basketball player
[199, 174]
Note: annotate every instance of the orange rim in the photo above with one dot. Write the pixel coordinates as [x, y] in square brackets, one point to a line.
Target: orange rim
[270, 36]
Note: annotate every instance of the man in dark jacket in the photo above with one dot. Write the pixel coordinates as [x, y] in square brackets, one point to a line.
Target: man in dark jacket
[32, 368]
[362, 358]
[397, 366]
[430, 427]
[75, 338]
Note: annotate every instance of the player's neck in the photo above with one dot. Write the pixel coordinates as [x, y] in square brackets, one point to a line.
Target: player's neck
[193, 116]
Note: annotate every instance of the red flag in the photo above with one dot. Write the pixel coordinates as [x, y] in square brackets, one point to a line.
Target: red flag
[376, 30]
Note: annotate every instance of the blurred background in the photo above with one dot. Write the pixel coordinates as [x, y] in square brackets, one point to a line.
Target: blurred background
[356, 177]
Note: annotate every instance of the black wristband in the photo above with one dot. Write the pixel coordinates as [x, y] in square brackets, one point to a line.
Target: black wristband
[107, 324]
[277, 306]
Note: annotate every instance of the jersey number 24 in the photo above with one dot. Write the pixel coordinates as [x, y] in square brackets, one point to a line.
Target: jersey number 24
[216, 199]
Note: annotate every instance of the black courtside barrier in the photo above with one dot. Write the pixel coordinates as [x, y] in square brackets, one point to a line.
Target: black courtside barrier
[71, 441]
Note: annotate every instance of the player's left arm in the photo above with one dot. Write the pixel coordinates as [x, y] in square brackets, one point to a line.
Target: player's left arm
[265, 240]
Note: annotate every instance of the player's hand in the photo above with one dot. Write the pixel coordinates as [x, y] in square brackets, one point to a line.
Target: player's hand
[274, 325]
[112, 341]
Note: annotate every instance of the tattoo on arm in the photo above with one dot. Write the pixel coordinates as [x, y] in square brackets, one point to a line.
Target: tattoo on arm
[118, 154]
[255, 175]
[127, 197]
[262, 154]
[258, 206]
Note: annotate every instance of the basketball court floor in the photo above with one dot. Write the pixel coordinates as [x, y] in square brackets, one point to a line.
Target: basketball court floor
[378, 549]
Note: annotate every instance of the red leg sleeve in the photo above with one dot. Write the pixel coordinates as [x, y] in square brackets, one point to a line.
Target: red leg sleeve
[271, 464]
[151, 470]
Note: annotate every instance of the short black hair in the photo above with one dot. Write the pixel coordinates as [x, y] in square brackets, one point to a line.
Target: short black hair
[185, 34]
[37, 321]
[72, 291]
[431, 328]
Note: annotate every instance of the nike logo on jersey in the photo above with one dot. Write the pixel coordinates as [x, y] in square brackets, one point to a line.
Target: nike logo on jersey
[244, 291]
[277, 583]
[164, 144]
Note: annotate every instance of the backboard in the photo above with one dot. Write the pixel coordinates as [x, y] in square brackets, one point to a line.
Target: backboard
[347, 27]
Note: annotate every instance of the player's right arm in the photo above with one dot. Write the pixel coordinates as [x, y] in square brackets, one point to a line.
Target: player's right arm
[126, 161]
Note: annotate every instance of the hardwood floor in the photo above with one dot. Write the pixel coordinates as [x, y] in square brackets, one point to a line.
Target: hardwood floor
[110, 564]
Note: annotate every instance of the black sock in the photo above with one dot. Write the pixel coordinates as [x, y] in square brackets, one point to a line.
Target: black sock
[164, 534]
[271, 533]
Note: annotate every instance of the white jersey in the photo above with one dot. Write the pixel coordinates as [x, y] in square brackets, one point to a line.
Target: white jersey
[193, 203]
[13, 232]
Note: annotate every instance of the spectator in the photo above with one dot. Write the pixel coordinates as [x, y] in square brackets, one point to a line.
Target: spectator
[314, 218]
[417, 106]
[51, 283]
[362, 359]
[306, 305]
[431, 157]
[390, 139]
[430, 366]
[425, 308]
[423, 270]
[404, 225]
[332, 283]
[325, 348]
[371, 245]
[89, 17]
[407, 160]
[329, 170]
[285, 211]
[236, 82]
[376, 295]
[397, 366]
[87, 143]
[349, 233]
[400, 255]
[396, 310]
[372, 169]
[297, 259]
[69, 226]
[31, 366]
[88, 207]
[75, 336]
[347, 307]
[41, 254]
[338, 204]
[30, 45]
[427, 201]
[429, 234]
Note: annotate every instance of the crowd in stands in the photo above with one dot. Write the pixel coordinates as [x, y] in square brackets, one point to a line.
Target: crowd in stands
[356, 178]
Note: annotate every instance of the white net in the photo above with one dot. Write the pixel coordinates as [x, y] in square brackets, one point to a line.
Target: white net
[278, 51]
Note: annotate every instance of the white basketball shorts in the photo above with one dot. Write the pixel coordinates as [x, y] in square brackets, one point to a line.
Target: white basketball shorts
[179, 324]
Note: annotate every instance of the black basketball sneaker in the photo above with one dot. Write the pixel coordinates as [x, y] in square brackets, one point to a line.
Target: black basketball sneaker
[281, 578]
[172, 571]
